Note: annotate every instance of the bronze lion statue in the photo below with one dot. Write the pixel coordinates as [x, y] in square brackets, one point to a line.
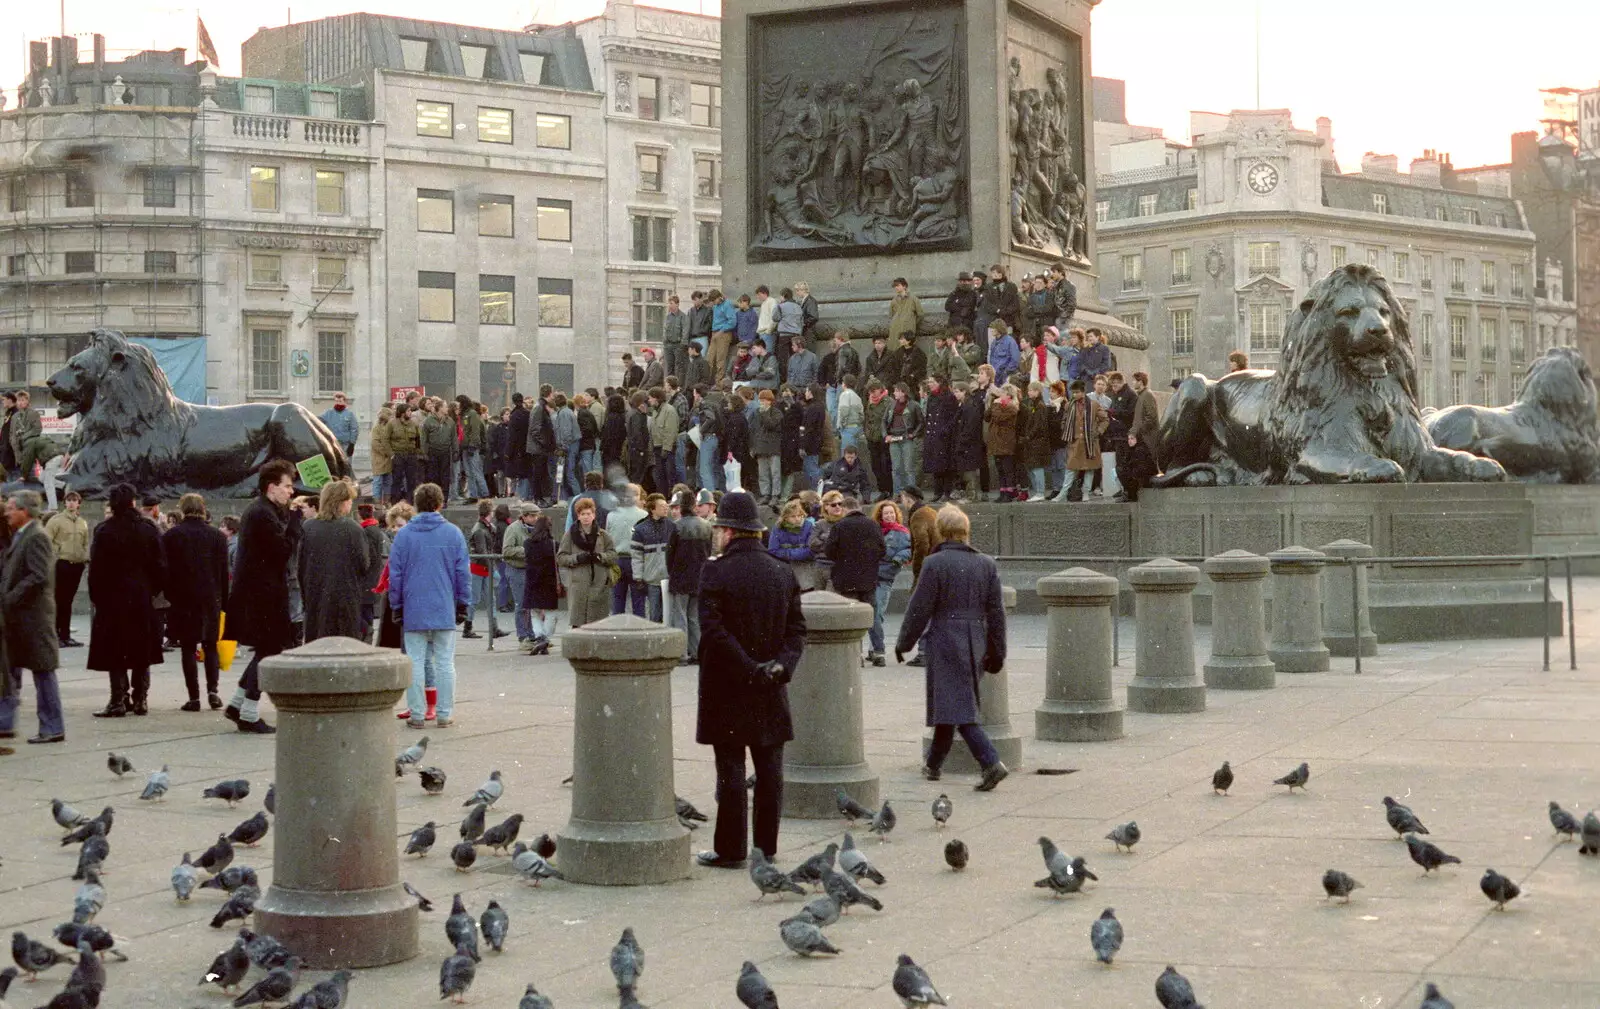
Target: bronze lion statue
[1549, 435]
[1343, 409]
[132, 429]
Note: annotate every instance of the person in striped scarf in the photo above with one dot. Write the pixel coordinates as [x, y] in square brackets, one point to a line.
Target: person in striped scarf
[1083, 424]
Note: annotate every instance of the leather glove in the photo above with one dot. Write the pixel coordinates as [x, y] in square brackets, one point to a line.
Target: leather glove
[461, 613]
[398, 614]
[773, 673]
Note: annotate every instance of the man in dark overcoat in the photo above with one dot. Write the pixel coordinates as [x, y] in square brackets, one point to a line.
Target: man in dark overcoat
[517, 459]
[751, 635]
[27, 592]
[258, 603]
[126, 574]
[197, 583]
[940, 416]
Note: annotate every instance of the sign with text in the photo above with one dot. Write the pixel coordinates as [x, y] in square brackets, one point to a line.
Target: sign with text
[314, 471]
[398, 393]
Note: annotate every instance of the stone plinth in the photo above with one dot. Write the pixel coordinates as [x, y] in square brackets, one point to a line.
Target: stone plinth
[624, 827]
[1347, 622]
[1297, 611]
[335, 897]
[1079, 705]
[994, 713]
[829, 750]
[1238, 622]
[1164, 679]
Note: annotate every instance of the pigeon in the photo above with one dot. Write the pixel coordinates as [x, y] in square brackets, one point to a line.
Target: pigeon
[73, 998]
[1427, 854]
[228, 791]
[495, 923]
[66, 816]
[432, 780]
[1339, 884]
[955, 854]
[753, 990]
[90, 973]
[1591, 834]
[95, 850]
[423, 903]
[913, 985]
[531, 999]
[89, 899]
[851, 860]
[768, 878]
[502, 835]
[804, 936]
[456, 975]
[531, 865]
[271, 801]
[461, 929]
[489, 792]
[1057, 863]
[942, 808]
[422, 839]
[70, 934]
[32, 956]
[1401, 818]
[843, 889]
[155, 786]
[6, 977]
[1070, 881]
[627, 961]
[849, 808]
[275, 987]
[883, 821]
[1222, 779]
[1174, 991]
[229, 967]
[184, 878]
[1125, 836]
[118, 765]
[328, 993]
[472, 823]
[813, 868]
[686, 811]
[265, 951]
[410, 757]
[1432, 999]
[240, 905]
[231, 879]
[1105, 935]
[545, 846]
[1563, 821]
[251, 830]
[1498, 888]
[217, 857]
[89, 828]
[1296, 778]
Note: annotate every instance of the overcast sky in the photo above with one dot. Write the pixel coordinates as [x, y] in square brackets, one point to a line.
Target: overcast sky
[1395, 77]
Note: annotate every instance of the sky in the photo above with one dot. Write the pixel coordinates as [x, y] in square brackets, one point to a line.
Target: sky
[1453, 75]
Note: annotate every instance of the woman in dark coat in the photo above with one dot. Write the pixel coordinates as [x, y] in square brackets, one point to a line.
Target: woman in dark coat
[791, 453]
[197, 582]
[972, 457]
[541, 592]
[517, 445]
[957, 612]
[126, 570]
[939, 415]
[614, 433]
[258, 602]
[335, 564]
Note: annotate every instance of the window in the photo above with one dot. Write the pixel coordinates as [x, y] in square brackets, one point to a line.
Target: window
[555, 220]
[1266, 327]
[1180, 266]
[258, 99]
[1425, 261]
[497, 300]
[496, 216]
[1425, 334]
[705, 105]
[1380, 203]
[266, 269]
[652, 239]
[1425, 392]
[474, 59]
[1263, 258]
[1472, 217]
[80, 262]
[1519, 279]
[1499, 220]
[1147, 205]
[1102, 211]
[263, 188]
[1488, 278]
[1338, 255]
[649, 313]
[1458, 276]
[1133, 271]
[532, 65]
[330, 192]
[1402, 266]
[161, 262]
[330, 361]
[649, 94]
[324, 104]
[17, 195]
[1458, 339]
[266, 362]
[80, 190]
[1489, 339]
[332, 274]
[160, 189]
[1517, 334]
[706, 251]
[1135, 320]
[1458, 387]
[414, 54]
[650, 171]
[436, 296]
[707, 177]
[1374, 257]
[1442, 214]
[555, 302]
[1191, 199]
[17, 266]
[494, 125]
[1183, 331]
[436, 210]
[554, 131]
[435, 119]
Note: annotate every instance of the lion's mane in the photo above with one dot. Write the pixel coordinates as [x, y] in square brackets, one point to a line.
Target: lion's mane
[128, 415]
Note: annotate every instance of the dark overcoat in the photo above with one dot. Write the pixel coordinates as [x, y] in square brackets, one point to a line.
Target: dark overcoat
[27, 589]
[970, 453]
[517, 443]
[335, 562]
[197, 578]
[855, 546]
[540, 591]
[126, 570]
[749, 615]
[940, 416]
[958, 613]
[258, 602]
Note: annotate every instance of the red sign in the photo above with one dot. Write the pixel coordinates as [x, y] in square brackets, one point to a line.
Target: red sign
[398, 393]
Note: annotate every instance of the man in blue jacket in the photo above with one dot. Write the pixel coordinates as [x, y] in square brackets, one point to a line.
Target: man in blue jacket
[429, 588]
[341, 420]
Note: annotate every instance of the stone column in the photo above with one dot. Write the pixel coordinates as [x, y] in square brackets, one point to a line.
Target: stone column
[1164, 679]
[335, 897]
[994, 713]
[624, 827]
[1297, 611]
[1343, 632]
[1238, 622]
[1079, 705]
[829, 750]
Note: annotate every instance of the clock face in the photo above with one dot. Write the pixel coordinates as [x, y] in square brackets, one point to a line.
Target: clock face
[1263, 178]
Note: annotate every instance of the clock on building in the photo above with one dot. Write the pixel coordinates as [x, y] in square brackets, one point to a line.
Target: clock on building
[1262, 177]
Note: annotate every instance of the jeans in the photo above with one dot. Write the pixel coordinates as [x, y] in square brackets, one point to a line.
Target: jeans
[572, 478]
[1036, 479]
[1074, 491]
[683, 612]
[433, 660]
[903, 458]
[502, 585]
[1058, 469]
[524, 488]
[710, 464]
[812, 468]
[850, 436]
[652, 595]
[771, 467]
[733, 803]
[480, 591]
[880, 609]
[380, 486]
[626, 587]
[977, 740]
[472, 462]
[524, 629]
[833, 409]
[51, 720]
[680, 459]
[665, 471]
[589, 460]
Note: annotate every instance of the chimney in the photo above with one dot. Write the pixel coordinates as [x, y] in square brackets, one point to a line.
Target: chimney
[66, 52]
[38, 58]
[99, 50]
[1380, 164]
[1425, 170]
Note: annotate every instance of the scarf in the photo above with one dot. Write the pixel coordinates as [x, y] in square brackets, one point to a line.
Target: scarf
[585, 544]
[1083, 420]
[1038, 356]
[893, 527]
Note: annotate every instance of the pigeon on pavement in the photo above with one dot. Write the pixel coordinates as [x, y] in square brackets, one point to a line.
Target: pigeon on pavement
[1222, 779]
[231, 878]
[155, 787]
[1402, 819]
[217, 857]
[545, 845]
[456, 975]
[96, 849]
[89, 899]
[90, 973]
[883, 821]
[229, 967]
[627, 962]
[495, 923]
[423, 903]
[70, 934]
[852, 861]
[843, 889]
[1173, 990]
[686, 810]
[65, 815]
[942, 808]
[228, 791]
[813, 868]
[472, 823]
[1054, 860]
[461, 929]
[410, 757]
[531, 865]
[88, 828]
[531, 999]
[502, 835]
[432, 779]
[1339, 884]
[1591, 834]
[422, 839]
[1125, 836]
[240, 905]
[1563, 821]
[463, 855]
[1432, 999]
[32, 956]
[1296, 778]
[804, 936]
[329, 993]
[118, 765]
[753, 990]
[1427, 854]
[913, 985]
[1069, 881]
[1105, 935]
[849, 808]
[271, 801]
[265, 951]
[955, 854]
[1498, 888]
[275, 987]
[252, 830]
[768, 878]
[489, 792]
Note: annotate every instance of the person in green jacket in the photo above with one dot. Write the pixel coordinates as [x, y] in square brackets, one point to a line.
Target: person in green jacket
[474, 443]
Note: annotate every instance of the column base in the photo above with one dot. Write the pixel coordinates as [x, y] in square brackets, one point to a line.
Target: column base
[1240, 673]
[1300, 658]
[808, 791]
[1165, 696]
[623, 854]
[1006, 742]
[1069, 722]
[332, 930]
[1343, 645]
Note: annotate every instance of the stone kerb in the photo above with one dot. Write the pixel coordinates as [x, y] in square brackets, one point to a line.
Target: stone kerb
[1297, 645]
[994, 714]
[1343, 631]
[1079, 702]
[1238, 622]
[1165, 681]
[829, 750]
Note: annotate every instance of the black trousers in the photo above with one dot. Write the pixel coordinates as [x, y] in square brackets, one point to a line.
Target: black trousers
[405, 475]
[68, 575]
[733, 806]
[251, 680]
[207, 643]
[439, 472]
[882, 467]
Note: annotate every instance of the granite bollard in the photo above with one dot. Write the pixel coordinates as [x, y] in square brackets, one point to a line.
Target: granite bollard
[1297, 645]
[829, 749]
[1238, 622]
[1165, 681]
[336, 898]
[994, 714]
[1343, 631]
[624, 828]
[1079, 703]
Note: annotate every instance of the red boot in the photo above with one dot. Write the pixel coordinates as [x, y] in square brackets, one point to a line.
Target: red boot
[433, 700]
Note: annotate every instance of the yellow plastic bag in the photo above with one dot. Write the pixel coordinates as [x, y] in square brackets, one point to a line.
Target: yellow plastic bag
[225, 648]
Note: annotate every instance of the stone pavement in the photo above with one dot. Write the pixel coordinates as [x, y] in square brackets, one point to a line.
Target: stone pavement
[1470, 734]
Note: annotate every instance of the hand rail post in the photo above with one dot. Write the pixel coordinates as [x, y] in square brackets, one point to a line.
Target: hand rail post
[1544, 622]
[1572, 629]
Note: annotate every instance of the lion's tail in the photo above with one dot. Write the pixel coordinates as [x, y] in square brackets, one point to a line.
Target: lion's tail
[1185, 476]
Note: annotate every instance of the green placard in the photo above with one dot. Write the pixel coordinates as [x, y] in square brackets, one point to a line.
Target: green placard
[314, 471]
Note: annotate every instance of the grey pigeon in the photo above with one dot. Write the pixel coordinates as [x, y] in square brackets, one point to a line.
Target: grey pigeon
[849, 808]
[251, 831]
[852, 861]
[6, 977]
[821, 911]
[229, 967]
[913, 985]
[753, 990]
[1427, 854]
[217, 857]
[69, 934]
[686, 810]
[545, 845]
[1339, 884]
[184, 878]
[489, 792]
[410, 757]
[32, 956]
[329, 993]
[1498, 888]
[628, 1000]
[1591, 834]
[814, 868]
[627, 961]
[1563, 821]
[422, 839]
[231, 878]
[955, 854]
[275, 987]
[265, 951]
[843, 889]
[804, 936]
[423, 903]
[502, 835]
[432, 779]
[1401, 818]
[1432, 999]
[1105, 935]
[1070, 881]
[1054, 860]
[73, 998]
[90, 972]
[1174, 991]
[271, 801]
[95, 850]
[461, 929]
[65, 815]
[456, 975]
[228, 791]
[1296, 778]
[531, 999]
[472, 823]
[942, 808]
[118, 765]
[463, 855]
[240, 905]
[883, 821]
[1222, 779]
[1125, 836]
[89, 899]
[768, 878]
[88, 828]
[155, 786]
[495, 923]
[531, 865]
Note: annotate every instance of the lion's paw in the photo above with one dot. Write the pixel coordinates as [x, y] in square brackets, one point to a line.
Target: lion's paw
[1374, 470]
